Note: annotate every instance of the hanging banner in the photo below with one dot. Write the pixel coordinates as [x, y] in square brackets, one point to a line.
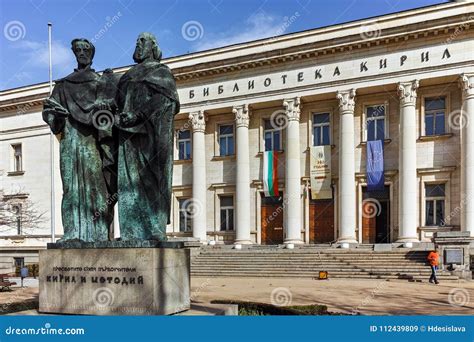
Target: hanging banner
[270, 173]
[375, 169]
[320, 172]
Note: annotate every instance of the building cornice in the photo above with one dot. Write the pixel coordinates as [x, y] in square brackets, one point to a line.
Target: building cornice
[330, 49]
[431, 170]
[330, 42]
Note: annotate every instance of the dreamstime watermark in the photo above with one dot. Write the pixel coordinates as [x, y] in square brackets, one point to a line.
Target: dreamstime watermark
[14, 30]
[109, 22]
[193, 207]
[23, 109]
[370, 31]
[287, 22]
[279, 119]
[455, 212]
[277, 211]
[103, 297]
[103, 119]
[281, 296]
[192, 30]
[458, 119]
[11, 300]
[110, 200]
[378, 111]
[458, 297]
[371, 208]
[460, 29]
[46, 330]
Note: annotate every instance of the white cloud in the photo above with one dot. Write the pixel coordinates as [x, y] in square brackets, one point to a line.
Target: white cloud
[260, 25]
[36, 54]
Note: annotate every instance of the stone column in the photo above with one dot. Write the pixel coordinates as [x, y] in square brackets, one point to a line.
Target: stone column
[242, 202]
[292, 200]
[408, 195]
[198, 210]
[467, 153]
[347, 195]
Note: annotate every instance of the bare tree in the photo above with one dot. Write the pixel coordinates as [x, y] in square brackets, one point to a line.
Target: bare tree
[18, 212]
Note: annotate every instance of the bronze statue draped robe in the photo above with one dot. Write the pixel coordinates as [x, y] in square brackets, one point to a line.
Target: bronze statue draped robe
[145, 158]
[86, 158]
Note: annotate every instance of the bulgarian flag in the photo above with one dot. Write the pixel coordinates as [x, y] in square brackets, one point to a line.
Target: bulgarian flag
[270, 173]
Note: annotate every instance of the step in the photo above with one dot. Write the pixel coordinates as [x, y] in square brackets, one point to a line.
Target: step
[294, 251]
[315, 270]
[312, 275]
[309, 251]
[311, 267]
[322, 256]
[310, 261]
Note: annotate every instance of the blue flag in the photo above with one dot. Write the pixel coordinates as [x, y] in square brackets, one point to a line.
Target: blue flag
[375, 177]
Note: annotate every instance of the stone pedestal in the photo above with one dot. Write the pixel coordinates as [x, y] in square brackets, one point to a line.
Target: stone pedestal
[454, 251]
[114, 281]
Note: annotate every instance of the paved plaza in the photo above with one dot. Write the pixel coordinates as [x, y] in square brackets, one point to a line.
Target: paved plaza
[367, 297]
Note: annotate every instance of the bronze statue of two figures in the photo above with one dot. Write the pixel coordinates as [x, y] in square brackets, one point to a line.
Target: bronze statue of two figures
[116, 141]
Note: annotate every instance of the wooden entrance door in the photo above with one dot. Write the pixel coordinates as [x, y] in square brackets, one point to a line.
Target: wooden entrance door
[272, 221]
[376, 216]
[368, 222]
[321, 221]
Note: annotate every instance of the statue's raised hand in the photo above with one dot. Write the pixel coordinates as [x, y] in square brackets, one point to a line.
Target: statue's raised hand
[51, 107]
[55, 115]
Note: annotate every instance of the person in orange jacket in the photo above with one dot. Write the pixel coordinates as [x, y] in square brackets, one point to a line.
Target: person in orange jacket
[433, 259]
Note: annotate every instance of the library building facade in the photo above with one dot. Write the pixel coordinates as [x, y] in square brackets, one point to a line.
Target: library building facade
[355, 133]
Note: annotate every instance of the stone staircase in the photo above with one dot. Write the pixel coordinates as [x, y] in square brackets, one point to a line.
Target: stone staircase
[271, 261]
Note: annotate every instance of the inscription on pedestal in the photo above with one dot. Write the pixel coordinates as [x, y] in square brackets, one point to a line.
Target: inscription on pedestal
[454, 256]
[125, 281]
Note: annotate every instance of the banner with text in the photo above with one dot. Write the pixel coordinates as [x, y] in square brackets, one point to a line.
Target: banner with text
[320, 166]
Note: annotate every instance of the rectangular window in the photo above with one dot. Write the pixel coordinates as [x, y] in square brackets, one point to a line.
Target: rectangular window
[19, 262]
[435, 109]
[272, 136]
[375, 121]
[434, 204]
[184, 144]
[321, 129]
[17, 157]
[227, 213]
[185, 214]
[226, 140]
[16, 210]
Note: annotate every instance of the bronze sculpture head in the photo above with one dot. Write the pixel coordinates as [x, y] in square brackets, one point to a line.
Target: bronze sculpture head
[147, 48]
[84, 51]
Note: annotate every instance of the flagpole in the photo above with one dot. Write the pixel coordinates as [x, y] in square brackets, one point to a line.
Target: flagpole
[51, 142]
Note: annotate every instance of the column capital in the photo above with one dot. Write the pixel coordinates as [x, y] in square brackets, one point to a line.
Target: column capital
[407, 92]
[466, 83]
[346, 100]
[198, 121]
[242, 115]
[293, 108]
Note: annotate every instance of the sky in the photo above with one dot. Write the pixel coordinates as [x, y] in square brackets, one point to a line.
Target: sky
[181, 26]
